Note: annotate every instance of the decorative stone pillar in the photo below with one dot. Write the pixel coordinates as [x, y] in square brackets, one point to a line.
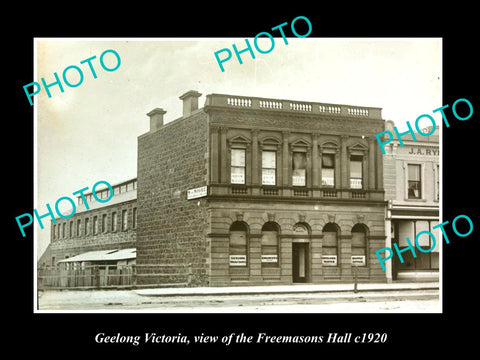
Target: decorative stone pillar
[315, 163]
[371, 163]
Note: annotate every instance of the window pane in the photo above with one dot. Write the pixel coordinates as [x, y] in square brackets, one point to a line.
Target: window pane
[238, 157]
[414, 172]
[355, 183]
[238, 238]
[327, 161]
[358, 251]
[298, 177]
[358, 239]
[269, 238]
[422, 261]
[329, 251]
[299, 167]
[405, 229]
[356, 169]
[434, 260]
[269, 159]
[436, 233]
[414, 189]
[237, 175]
[409, 261]
[424, 240]
[268, 177]
[124, 220]
[238, 248]
[328, 177]
[329, 239]
[299, 161]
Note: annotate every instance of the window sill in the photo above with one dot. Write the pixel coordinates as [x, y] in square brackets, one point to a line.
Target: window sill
[416, 200]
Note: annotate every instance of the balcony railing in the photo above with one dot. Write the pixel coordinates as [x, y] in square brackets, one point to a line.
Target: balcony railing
[294, 192]
[254, 103]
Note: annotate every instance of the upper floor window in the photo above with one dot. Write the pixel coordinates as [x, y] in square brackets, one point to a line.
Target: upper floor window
[95, 225]
[299, 169]
[237, 166]
[414, 181]
[328, 170]
[269, 167]
[114, 221]
[104, 223]
[87, 226]
[356, 174]
[134, 218]
[124, 220]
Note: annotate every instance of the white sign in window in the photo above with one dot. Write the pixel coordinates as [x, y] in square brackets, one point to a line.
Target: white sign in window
[358, 260]
[299, 169]
[237, 175]
[329, 260]
[328, 177]
[298, 179]
[238, 260]
[268, 177]
[355, 183]
[269, 258]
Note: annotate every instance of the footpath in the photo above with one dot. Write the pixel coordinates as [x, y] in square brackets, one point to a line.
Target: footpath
[288, 289]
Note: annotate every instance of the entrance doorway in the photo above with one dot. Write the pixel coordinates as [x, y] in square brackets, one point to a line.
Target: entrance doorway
[300, 262]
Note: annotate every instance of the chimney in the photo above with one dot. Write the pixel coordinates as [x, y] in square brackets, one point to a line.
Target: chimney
[156, 118]
[389, 124]
[190, 102]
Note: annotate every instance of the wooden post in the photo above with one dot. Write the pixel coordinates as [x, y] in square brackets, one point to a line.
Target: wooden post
[134, 275]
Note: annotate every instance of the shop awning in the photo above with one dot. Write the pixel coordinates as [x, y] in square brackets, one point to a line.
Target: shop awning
[104, 255]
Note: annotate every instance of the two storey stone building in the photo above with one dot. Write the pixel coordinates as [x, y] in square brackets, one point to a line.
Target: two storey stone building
[262, 191]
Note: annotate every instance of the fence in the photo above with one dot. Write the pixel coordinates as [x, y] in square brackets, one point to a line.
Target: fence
[113, 276]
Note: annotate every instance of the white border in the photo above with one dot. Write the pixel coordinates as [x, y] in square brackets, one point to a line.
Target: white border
[35, 168]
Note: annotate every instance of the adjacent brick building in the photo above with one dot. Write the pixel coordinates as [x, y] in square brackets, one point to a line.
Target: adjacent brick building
[287, 191]
[412, 189]
[104, 226]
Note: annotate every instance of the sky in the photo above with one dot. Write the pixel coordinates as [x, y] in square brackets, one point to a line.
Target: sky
[89, 133]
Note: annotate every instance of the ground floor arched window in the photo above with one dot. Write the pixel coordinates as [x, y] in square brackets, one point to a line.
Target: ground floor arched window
[330, 245]
[238, 248]
[359, 245]
[270, 244]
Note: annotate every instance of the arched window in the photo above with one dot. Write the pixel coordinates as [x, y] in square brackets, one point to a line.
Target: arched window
[270, 251]
[330, 245]
[359, 245]
[238, 244]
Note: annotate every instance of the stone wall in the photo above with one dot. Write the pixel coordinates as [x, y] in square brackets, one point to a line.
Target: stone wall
[171, 228]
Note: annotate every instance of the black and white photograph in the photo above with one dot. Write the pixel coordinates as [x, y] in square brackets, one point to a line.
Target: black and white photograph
[230, 184]
[272, 195]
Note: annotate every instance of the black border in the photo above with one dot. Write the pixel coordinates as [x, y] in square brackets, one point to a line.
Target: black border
[408, 334]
